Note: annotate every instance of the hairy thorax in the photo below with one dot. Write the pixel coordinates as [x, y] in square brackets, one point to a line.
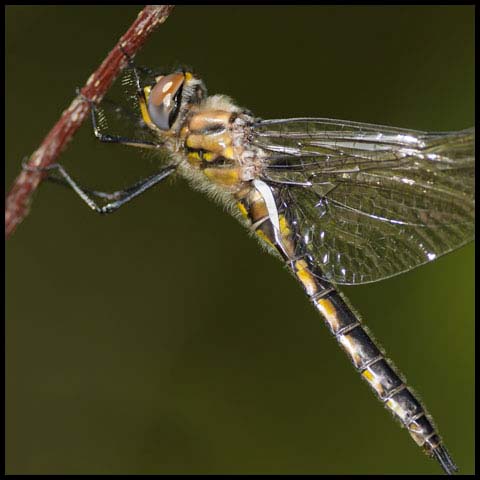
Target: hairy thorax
[213, 148]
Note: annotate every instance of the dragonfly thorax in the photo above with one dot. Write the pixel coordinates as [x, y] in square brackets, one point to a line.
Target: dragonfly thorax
[214, 148]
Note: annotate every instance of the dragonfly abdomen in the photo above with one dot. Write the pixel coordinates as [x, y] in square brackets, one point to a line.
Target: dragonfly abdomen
[271, 225]
[370, 362]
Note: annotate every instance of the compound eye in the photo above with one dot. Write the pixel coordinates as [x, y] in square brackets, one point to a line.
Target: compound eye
[164, 100]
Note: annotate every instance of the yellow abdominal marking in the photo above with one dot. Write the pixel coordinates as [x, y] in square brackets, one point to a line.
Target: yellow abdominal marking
[305, 276]
[258, 209]
[368, 375]
[395, 407]
[373, 381]
[329, 312]
[284, 227]
[350, 347]
[262, 235]
[416, 433]
[414, 428]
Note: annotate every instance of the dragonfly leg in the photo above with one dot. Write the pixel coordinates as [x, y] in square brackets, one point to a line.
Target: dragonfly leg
[133, 65]
[117, 199]
[106, 138]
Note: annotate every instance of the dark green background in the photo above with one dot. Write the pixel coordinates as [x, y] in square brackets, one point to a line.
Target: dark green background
[162, 338]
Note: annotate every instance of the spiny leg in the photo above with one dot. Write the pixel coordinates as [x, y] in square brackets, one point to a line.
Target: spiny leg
[106, 138]
[119, 198]
[133, 65]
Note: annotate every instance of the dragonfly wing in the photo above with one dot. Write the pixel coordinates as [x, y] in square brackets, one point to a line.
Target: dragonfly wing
[120, 115]
[369, 202]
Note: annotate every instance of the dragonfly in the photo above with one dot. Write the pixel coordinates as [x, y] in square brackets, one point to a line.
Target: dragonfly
[338, 202]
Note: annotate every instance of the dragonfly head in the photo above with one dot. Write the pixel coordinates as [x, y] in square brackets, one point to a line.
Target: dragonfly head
[166, 102]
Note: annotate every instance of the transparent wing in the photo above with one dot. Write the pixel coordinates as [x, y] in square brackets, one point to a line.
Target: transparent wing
[120, 115]
[368, 202]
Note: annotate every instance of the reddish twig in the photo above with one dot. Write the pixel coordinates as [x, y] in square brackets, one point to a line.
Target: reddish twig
[19, 197]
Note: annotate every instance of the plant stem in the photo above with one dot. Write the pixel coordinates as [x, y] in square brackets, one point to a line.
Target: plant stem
[19, 198]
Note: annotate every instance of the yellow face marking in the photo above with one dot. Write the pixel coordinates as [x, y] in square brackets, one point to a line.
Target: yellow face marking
[145, 115]
[143, 107]
[188, 76]
[242, 209]
[327, 309]
[223, 176]
[306, 277]
[262, 235]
